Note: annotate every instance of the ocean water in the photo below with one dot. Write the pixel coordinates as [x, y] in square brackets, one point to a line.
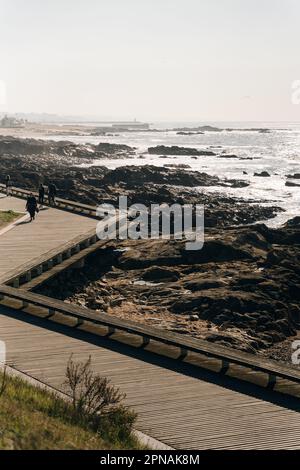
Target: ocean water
[277, 152]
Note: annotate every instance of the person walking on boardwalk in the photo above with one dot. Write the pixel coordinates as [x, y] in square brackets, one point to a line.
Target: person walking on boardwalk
[41, 194]
[52, 191]
[31, 206]
[7, 185]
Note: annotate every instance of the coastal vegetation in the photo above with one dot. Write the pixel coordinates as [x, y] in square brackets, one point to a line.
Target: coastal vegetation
[7, 217]
[33, 418]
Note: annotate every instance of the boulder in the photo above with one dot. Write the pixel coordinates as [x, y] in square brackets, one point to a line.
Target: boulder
[175, 150]
[291, 184]
[262, 174]
[295, 176]
[157, 273]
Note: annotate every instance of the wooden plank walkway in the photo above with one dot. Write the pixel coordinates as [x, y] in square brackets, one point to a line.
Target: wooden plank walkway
[183, 407]
[27, 241]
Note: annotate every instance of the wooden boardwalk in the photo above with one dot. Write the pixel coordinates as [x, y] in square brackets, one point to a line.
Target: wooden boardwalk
[183, 407]
[27, 241]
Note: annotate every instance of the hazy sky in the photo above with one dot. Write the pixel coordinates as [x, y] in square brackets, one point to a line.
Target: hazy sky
[152, 59]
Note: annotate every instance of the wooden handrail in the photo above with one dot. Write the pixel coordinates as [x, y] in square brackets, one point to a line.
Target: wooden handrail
[59, 201]
[194, 345]
[21, 270]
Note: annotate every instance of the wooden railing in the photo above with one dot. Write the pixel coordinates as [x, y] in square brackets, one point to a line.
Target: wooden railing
[183, 345]
[150, 338]
[63, 204]
[25, 273]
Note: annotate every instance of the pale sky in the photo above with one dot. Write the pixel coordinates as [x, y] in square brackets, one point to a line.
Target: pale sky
[151, 59]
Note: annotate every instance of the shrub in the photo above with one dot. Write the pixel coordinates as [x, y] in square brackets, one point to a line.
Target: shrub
[95, 401]
[3, 382]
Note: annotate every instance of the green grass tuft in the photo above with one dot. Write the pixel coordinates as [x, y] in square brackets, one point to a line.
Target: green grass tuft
[7, 217]
[34, 418]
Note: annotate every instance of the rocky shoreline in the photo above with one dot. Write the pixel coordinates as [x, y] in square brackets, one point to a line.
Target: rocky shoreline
[30, 162]
[241, 289]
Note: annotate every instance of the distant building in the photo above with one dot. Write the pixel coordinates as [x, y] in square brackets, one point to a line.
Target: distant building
[131, 126]
[9, 122]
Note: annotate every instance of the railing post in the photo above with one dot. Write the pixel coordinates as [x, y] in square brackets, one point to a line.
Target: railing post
[225, 367]
[50, 263]
[59, 258]
[51, 313]
[271, 381]
[145, 342]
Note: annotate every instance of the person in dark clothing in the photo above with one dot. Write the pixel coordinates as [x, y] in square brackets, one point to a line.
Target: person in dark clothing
[41, 194]
[52, 191]
[8, 185]
[31, 206]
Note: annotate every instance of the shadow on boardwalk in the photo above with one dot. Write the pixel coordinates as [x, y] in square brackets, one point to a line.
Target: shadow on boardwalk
[163, 362]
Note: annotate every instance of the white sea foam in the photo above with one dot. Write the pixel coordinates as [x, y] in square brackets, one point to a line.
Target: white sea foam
[277, 152]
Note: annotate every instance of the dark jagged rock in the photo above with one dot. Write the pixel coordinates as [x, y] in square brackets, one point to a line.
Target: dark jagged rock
[17, 146]
[113, 148]
[260, 130]
[224, 155]
[139, 175]
[295, 176]
[174, 150]
[293, 223]
[159, 175]
[183, 166]
[30, 147]
[157, 274]
[292, 184]
[200, 129]
[189, 133]
[263, 174]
